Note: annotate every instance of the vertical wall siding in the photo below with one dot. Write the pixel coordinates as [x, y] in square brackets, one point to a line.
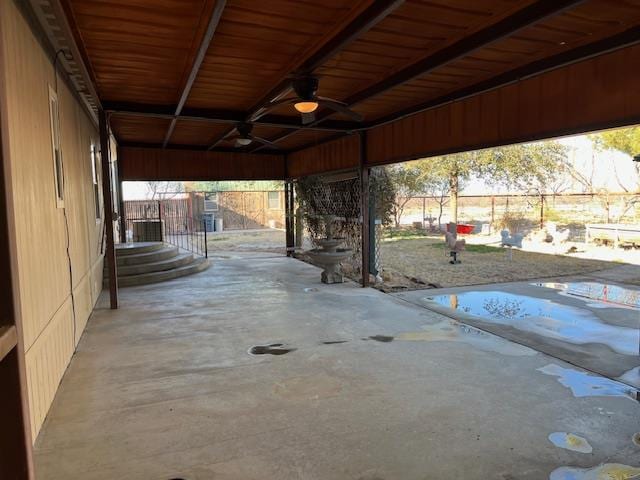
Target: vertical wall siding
[51, 329]
[340, 154]
[138, 164]
[46, 362]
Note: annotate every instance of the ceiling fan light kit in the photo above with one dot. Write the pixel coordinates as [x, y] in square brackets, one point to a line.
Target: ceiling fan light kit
[306, 107]
[306, 101]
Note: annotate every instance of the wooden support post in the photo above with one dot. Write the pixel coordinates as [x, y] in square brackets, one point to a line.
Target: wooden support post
[292, 206]
[110, 254]
[364, 209]
[286, 216]
[16, 458]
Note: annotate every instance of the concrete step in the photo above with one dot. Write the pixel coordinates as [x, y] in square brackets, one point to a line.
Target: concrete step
[164, 253]
[197, 265]
[179, 260]
[136, 248]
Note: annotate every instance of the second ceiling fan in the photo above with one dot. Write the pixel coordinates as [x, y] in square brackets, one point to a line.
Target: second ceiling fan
[243, 136]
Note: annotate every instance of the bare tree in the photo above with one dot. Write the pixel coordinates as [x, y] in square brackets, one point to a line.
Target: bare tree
[162, 190]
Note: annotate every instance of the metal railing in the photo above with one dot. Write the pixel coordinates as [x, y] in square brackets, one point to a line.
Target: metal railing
[170, 221]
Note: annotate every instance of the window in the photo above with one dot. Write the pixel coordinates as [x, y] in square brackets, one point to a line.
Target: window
[273, 200]
[58, 171]
[211, 202]
[96, 182]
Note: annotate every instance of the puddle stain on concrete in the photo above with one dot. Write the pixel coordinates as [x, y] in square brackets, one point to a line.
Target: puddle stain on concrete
[380, 338]
[570, 441]
[607, 471]
[452, 331]
[583, 384]
[272, 349]
[542, 317]
[631, 377]
[609, 295]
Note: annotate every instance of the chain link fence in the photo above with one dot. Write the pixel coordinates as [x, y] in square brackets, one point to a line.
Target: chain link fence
[524, 213]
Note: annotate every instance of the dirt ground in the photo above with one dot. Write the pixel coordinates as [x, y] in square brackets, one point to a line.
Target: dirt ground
[266, 240]
[426, 260]
[417, 262]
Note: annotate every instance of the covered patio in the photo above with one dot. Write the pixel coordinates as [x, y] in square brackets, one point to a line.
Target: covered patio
[346, 382]
[164, 387]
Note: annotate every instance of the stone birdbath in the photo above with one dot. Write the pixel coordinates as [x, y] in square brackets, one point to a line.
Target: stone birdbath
[329, 256]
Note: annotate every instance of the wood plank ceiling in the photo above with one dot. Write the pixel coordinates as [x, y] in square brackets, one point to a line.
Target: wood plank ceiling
[384, 58]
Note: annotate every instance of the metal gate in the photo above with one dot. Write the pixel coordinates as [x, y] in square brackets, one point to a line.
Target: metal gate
[171, 221]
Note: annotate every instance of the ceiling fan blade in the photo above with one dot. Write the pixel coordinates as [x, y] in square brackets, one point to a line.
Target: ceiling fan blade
[264, 142]
[308, 118]
[340, 108]
[270, 106]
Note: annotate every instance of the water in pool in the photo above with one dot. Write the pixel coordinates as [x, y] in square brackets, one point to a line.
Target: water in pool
[543, 317]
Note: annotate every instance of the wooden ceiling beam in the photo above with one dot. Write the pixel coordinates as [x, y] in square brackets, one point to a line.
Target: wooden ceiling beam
[624, 39]
[506, 27]
[377, 12]
[193, 148]
[374, 14]
[197, 62]
[220, 116]
[621, 40]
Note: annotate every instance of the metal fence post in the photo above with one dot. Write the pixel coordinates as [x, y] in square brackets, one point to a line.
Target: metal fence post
[206, 247]
[160, 219]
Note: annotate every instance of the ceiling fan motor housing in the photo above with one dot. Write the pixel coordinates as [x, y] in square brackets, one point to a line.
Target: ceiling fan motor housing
[306, 87]
[244, 129]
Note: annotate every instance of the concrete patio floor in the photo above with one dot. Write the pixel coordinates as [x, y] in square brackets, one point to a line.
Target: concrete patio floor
[165, 388]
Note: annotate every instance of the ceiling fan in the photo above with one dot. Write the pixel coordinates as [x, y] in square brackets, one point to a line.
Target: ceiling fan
[307, 101]
[244, 137]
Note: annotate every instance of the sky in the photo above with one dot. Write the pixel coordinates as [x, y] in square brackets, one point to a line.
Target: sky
[607, 168]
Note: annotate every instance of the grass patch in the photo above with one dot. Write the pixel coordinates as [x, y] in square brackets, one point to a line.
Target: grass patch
[475, 248]
[407, 234]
